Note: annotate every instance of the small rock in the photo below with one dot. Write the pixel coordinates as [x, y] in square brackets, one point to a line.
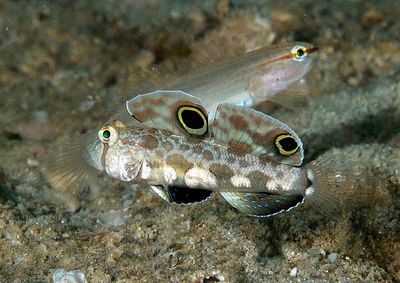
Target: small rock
[332, 257]
[293, 272]
[32, 162]
[40, 116]
[371, 17]
[222, 8]
[64, 276]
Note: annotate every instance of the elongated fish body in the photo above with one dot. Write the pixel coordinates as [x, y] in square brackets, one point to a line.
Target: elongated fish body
[252, 159]
[249, 79]
[159, 157]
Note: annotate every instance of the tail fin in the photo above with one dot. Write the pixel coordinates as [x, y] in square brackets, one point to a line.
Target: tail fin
[336, 184]
[68, 172]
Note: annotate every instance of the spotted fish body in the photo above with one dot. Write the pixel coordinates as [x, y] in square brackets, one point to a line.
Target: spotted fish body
[253, 160]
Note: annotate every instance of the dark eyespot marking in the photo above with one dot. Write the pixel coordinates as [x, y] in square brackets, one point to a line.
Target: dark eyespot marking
[286, 144]
[193, 120]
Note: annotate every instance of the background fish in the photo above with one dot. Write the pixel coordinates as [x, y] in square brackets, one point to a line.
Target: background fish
[247, 79]
[252, 159]
[252, 78]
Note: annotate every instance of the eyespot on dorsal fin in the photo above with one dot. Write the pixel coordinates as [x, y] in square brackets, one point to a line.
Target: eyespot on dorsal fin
[262, 204]
[172, 110]
[247, 131]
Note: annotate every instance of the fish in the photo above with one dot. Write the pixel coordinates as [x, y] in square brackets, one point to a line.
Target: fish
[253, 160]
[253, 77]
[271, 73]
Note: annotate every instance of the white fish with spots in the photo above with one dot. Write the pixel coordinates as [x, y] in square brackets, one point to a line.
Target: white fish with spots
[253, 160]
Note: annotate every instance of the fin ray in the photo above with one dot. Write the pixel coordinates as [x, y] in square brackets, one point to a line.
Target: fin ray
[262, 204]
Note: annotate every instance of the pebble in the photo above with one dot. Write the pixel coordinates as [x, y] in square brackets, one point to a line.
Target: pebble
[372, 17]
[32, 162]
[65, 276]
[293, 272]
[332, 257]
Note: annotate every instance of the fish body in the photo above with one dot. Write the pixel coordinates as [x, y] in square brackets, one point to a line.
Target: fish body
[252, 159]
[159, 157]
[249, 79]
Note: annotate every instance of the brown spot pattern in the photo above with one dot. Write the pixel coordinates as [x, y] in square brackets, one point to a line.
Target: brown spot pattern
[257, 177]
[179, 163]
[167, 145]
[165, 132]
[149, 141]
[125, 141]
[157, 102]
[197, 149]
[239, 148]
[221, 171]
[208, 155]
[145, 115]
[238, 122]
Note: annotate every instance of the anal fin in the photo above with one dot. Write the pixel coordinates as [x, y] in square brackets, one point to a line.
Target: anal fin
[263, 204]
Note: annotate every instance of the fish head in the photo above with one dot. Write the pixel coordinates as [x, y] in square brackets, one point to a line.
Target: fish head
[115, 151]
[291, 63]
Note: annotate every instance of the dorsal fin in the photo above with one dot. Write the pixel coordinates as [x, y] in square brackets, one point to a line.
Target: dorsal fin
[263, 204]
[172, 110]
[245, 130]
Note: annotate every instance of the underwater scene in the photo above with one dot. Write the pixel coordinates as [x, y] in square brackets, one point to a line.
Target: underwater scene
[199, 141]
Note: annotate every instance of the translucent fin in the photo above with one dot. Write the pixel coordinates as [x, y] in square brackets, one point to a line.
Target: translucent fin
[172, 110]
[145, 81]
[181, 195]
[67, 171]
[295, 97]
[245, 130]
[336, 184]
[263, 204]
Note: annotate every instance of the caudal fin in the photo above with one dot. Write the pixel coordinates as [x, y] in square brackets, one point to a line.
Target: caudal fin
[336, 184]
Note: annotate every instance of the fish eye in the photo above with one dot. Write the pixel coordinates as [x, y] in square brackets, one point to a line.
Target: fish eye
[286, 144]
[299, 53]
[193, 120]
[107, 134]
